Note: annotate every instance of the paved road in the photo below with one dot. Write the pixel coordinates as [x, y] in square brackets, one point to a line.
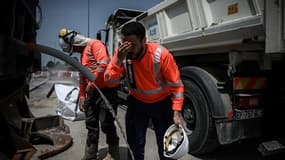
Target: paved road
[42, 106]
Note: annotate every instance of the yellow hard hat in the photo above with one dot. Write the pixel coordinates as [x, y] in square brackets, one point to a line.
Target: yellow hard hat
[66, 38]
[69, 38]
[63, 32]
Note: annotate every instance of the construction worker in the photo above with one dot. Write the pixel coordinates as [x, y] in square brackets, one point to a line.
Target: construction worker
[155, 87]
[95, 57]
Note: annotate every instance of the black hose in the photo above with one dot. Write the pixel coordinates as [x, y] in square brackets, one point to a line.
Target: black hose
[62, 55]
[50, 91]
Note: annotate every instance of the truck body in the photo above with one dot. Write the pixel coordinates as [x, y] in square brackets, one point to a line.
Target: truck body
[231, 58]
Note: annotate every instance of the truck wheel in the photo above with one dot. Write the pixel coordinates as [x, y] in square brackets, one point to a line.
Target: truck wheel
[197, 116]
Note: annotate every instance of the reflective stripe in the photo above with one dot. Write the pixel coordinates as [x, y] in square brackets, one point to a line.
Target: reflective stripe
[156, 74]
[92, 67]
[100, 70]
[89, 54]
[249, 83]
[157, 70]
[151, 91]
[91, 58]
[112, 80]
[93, 61]
[103, 62]
[171, 84]
[157, 65]
[177, 95]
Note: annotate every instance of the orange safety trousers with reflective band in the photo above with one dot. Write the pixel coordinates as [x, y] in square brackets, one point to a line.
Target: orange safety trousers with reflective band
[156, 76]
[96, 59]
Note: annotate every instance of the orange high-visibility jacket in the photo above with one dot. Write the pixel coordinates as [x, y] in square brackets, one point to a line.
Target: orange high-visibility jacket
[154, 77]
[96, 59]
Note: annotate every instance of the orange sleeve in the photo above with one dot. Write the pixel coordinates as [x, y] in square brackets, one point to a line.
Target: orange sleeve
[171, 76]
[113, 73]
[101, 56]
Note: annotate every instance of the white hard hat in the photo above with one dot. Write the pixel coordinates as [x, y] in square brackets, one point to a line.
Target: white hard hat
[175, 142]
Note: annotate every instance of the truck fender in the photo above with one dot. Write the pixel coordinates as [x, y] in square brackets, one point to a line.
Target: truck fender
[208, 84]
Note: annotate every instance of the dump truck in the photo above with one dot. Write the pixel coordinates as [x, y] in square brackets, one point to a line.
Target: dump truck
[231, 60]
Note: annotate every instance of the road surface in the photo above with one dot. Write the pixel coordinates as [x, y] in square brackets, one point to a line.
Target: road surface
[41, 106]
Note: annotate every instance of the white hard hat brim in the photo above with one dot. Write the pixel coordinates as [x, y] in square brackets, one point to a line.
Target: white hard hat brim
[182, 149]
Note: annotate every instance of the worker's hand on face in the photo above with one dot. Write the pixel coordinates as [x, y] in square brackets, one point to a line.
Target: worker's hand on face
[123, 50]
[81, 104]
[177, 118]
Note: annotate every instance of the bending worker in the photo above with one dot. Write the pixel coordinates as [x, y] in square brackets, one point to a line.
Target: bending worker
[94, 56]
[155, 87]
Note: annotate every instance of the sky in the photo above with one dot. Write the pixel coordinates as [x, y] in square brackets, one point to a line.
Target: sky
[73, 14]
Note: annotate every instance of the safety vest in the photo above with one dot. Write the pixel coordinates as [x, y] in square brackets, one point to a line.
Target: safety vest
[152, 78]
[96, 59]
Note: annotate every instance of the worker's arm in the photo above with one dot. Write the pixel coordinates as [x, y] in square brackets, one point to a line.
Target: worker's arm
[101, 57]
[82, 94]
[171, 76]
[82, 86]
[98, 60]
[114, 71]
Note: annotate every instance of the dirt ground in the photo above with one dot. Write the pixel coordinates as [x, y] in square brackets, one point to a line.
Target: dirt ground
[41, 106]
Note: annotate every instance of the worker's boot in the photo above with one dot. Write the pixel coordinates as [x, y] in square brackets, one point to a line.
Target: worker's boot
[108, 157]
[114, 153]
[91, 152]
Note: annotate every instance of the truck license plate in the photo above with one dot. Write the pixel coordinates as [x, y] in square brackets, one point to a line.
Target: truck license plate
[247, 114]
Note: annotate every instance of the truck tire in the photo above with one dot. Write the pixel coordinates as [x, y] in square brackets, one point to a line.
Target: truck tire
[197, 114]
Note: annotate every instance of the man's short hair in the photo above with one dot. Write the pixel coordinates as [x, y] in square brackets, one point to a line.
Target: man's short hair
[133, 28]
